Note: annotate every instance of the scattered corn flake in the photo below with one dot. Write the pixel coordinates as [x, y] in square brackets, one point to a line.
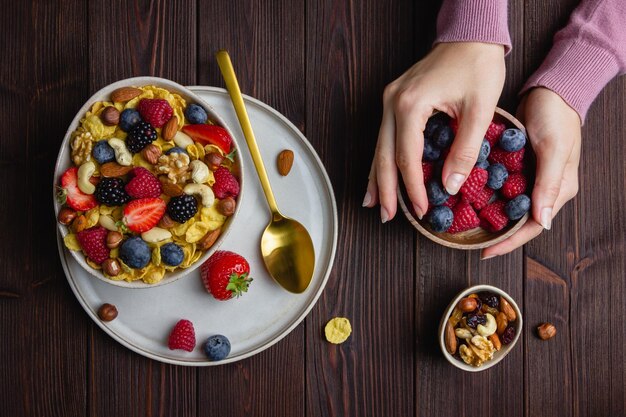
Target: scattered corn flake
[196, 232]
[154, 274]
[98, 130]
[181, 229]
[156, 256]
[71, 242]
[92, 216]
[338, 330]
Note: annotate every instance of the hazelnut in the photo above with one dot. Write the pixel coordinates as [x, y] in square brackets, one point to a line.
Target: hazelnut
[79, 224]
[546, 331]
[227, 206]
[107, 312]
[151, 154]
[213, 160]
[94, 180]
[114, 239]
[166, 222]
[66, 216]
[110, 116]
[467, 304]
[111, 267]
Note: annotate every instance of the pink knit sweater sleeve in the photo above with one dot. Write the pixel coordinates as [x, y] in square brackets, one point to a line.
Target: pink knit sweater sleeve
[586, 55]
[474, 21]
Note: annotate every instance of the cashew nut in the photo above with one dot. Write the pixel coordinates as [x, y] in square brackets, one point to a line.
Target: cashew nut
[199, 171]
[462, 333]
[204, 191]
[488, 328]
[156, 234]
[85, 172]
[182, 139]
[107, 222]
[122, 154]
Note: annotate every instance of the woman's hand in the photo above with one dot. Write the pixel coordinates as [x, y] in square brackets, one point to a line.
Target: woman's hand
[554, 131]
[464, 80]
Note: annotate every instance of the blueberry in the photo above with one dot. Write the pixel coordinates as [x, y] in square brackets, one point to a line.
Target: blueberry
[102, 152]
[175, 149]
[434, 123]
[497, 175]
[172, 254]
[135, 252]
[440, 218]
[195, 114]
[485, 149]
[512, 140]
[482, 164]
[437, 195]
[217, 347]
[444, 136]
[516, 208]
[129, 119]
[431, 152]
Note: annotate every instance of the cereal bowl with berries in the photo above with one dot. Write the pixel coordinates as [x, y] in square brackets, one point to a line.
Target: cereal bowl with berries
[479, 328]
[147, 183]
[494, 201]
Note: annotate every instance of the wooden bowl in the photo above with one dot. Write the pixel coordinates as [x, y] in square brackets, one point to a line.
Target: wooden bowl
[477, 238]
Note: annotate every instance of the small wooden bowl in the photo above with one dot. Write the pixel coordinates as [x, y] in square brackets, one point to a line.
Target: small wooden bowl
[477, 238]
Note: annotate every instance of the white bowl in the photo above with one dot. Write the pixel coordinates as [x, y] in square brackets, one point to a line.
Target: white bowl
[64, 162]
[498, 355]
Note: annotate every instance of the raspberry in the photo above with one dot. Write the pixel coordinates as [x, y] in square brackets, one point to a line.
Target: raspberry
[494, 132]
[143, 184]
[452, 201]
[93, 242]
[454, 124]
[465, 218]
[182, 336]
[226, 184]
[493, 216]
[514, 186]
[482, 198]
[513, 161]
[155, 111]
[474, 184]
[427, 169]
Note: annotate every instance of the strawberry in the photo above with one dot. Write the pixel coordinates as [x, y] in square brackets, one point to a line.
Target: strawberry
[482, 198]
[493, 216]
[514, 186]
[156, 111]
[226, 275]
[143, 184]
[72, 195]
[182, 336]
[465, 218]
[93, 242]
[474, 184]
[226, 184]
[210, 135]
[427, 170]
[143, 214]
[494, 132]
[512, 161]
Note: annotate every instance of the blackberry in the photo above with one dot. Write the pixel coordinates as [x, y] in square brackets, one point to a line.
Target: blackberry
[142, 135]
[182, 208]
[110, 192]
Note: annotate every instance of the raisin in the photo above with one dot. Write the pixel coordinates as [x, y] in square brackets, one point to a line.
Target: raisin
[490, 299]
[508, 335]
[474, 320]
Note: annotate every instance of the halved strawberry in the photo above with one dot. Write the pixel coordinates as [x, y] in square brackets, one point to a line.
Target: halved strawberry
[72, 195]
[143, 214]
[211, 135]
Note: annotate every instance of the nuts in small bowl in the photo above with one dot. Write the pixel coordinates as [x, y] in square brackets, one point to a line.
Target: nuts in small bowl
[479, 328]
[494, 201]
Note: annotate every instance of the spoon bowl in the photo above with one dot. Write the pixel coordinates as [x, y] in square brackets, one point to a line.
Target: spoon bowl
[286, 245]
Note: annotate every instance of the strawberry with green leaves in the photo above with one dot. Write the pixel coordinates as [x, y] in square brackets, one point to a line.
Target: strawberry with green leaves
[70, 194]
[226, 275]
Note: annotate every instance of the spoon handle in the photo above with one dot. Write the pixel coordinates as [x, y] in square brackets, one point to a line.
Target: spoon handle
[228, 72]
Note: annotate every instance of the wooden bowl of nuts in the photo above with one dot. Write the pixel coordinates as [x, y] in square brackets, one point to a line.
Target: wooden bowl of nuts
[147, 182]
[494, 201]
[479, 328]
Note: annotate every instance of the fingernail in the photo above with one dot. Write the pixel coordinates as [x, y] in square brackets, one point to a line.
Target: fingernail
[367, 200]
[418, 211]
[484, 258]
[384, 216]
[454, 183]
[546, 218]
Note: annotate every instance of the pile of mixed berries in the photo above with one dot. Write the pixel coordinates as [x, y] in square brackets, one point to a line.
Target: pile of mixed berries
[496, 189]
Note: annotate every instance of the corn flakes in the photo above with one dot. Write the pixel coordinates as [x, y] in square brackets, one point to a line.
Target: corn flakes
[338, 330]
[71, 242]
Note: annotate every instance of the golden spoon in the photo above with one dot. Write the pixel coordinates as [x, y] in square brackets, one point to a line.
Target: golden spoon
[286, 245]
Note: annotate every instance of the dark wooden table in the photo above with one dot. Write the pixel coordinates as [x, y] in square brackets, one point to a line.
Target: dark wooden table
[324, 65]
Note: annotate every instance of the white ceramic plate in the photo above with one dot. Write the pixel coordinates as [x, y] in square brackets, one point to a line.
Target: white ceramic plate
[265, 314]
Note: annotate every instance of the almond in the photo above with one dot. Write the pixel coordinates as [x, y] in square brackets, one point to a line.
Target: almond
[170, 129]
[209, 239]
[151, 153]
[467, 304]
[113, 169]
[450, 338]
[501, 323]
[125, 94]
[285, 161]
[495, 340]
[166, 222]
[506, 308]
[110, 116]
[169, 189]
[79, 224]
